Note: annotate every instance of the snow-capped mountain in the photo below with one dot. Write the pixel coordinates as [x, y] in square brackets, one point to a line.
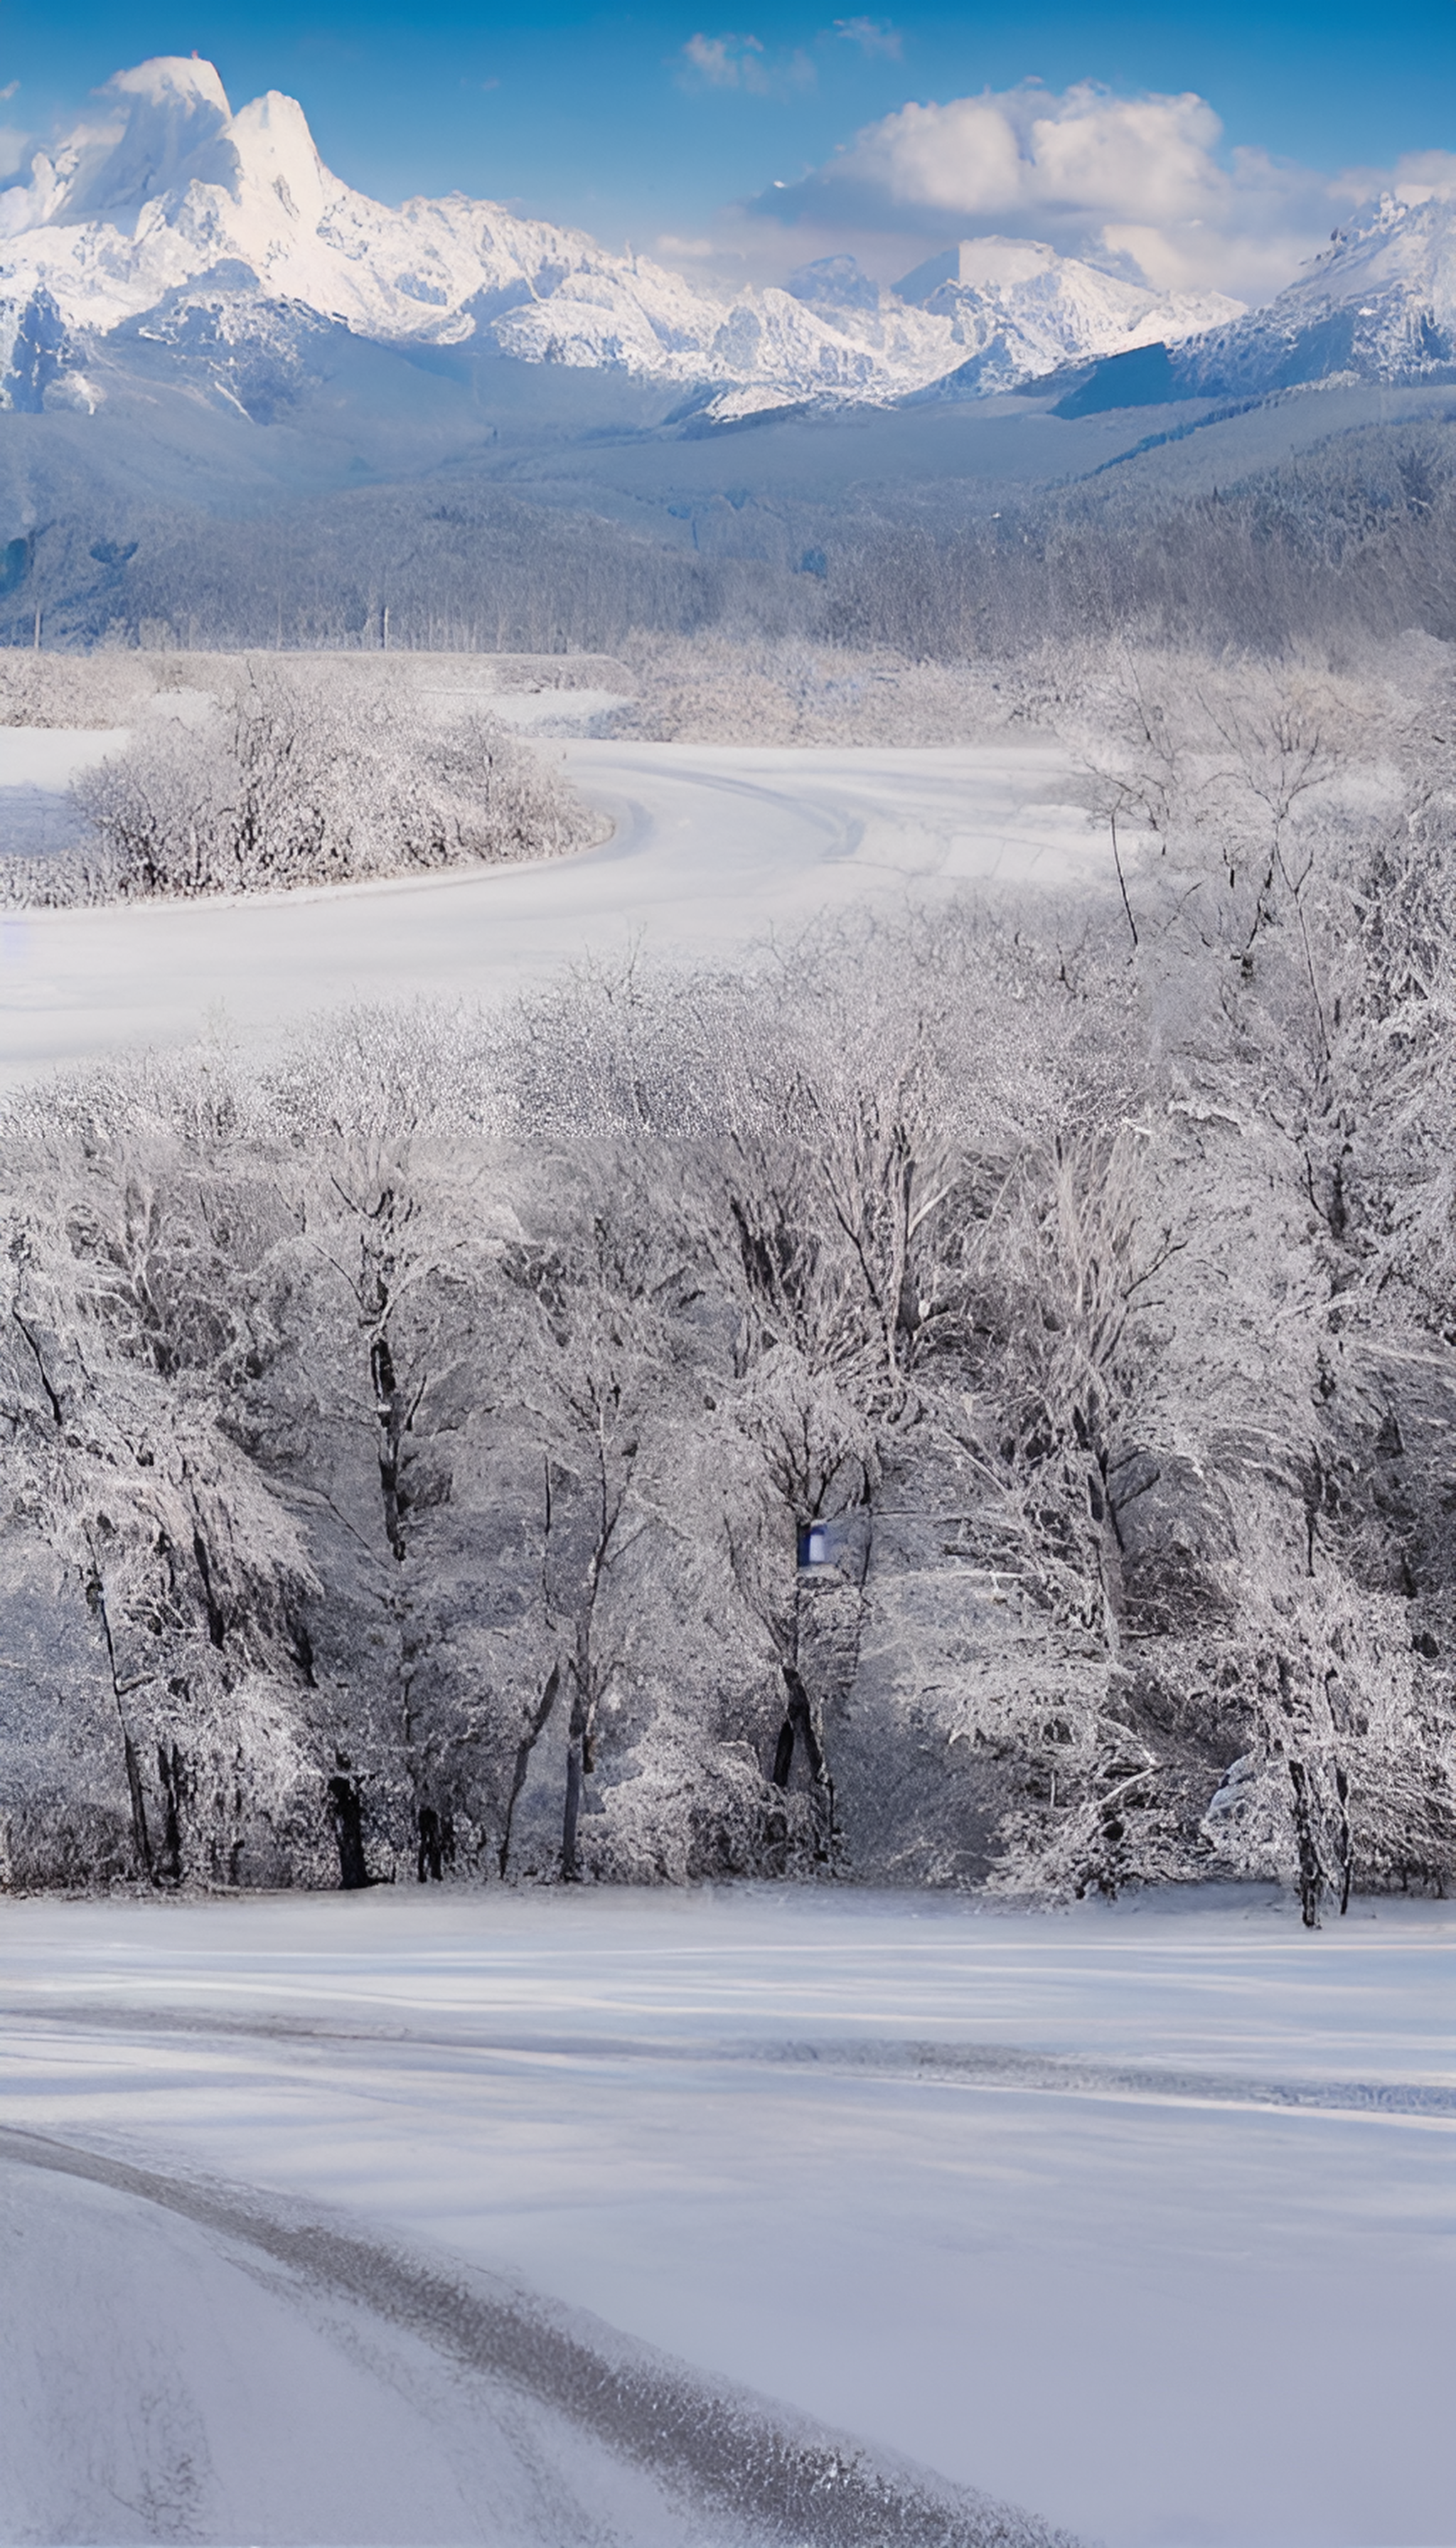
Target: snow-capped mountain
[1019, 310]
[168, 216]
[1379, 305]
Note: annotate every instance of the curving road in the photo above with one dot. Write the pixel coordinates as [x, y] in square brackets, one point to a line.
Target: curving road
[709, 849]
[588, 2436]
[1134, 2215]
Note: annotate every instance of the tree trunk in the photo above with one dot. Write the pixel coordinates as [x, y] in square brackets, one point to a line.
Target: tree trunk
[524, 1749]
[141, 1836]
[1344, 1840]
[1311, 1873]
[798, 1725]
[171, 1771]
[577, 1763]
[348, 1809]
[429, 1856]
[571, 1857]
[393, 1416]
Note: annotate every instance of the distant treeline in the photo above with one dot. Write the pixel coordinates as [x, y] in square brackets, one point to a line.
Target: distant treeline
[1356, 539]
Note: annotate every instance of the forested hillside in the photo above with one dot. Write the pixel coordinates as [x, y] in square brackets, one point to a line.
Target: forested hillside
[415, 1439]
[1344, 538]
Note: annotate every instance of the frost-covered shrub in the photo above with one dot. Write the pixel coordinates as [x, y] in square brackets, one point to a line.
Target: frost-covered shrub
[38, 688]
[1350, 1781]
[287, 780]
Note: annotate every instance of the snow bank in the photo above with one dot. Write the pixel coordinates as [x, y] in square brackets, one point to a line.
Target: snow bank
[51, 757]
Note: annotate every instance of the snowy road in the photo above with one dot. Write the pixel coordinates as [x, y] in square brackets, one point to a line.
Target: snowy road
[1139, 2218]
[710, 848]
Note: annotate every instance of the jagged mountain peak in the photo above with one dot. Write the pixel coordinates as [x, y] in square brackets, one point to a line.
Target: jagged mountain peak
[152, 129]
[1378, 304]
[270, 165]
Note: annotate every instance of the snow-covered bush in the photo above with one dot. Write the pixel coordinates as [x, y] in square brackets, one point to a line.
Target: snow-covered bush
[286, 778]
[1350, 1781]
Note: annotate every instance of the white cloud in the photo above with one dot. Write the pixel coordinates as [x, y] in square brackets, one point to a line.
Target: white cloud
[1140, 183]
[872, 34]
[725, 62]
[1424, 174]
[742, 63]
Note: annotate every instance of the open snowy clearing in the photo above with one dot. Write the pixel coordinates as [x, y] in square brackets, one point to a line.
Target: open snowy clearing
[37, 766]
[1139, 2218]
[51, 757]
[711, 847]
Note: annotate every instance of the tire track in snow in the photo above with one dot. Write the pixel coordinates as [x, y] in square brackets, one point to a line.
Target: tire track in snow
[984, 2066]
[777, 2475]
[1003, 2065]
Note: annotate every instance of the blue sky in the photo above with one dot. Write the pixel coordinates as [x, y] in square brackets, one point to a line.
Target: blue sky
[648, 124]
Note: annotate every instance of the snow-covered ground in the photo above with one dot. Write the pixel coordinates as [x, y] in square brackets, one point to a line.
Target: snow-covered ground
[550, 711]
[712, 845]
[37, 767]
[51, 756]
[1139, 2217]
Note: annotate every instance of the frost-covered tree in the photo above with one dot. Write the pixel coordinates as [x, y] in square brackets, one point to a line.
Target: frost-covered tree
[134, 1314]
[616, 1357]
[429, 1409]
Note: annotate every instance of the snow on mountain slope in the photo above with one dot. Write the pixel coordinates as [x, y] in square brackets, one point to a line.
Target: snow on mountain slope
[1021, 311]
[1378, 306]
[164, 191]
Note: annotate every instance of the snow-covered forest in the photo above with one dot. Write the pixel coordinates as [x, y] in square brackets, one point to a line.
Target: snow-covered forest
[960, 1395]
[1344, 540]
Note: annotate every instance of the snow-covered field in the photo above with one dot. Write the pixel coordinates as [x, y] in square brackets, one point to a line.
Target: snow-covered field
[712, 845]
[37, 767]
[51, 757]
[1137, 2216]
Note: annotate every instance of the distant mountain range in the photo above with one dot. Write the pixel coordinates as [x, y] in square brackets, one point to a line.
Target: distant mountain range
[241, 403]
[173, 220]
[172, 232]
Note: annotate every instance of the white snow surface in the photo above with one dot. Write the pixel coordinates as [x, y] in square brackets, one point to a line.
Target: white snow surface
[51, 756]
[164, 192]
[37, 767]
[712, 847]
[1139, 2216]
[552, 711]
